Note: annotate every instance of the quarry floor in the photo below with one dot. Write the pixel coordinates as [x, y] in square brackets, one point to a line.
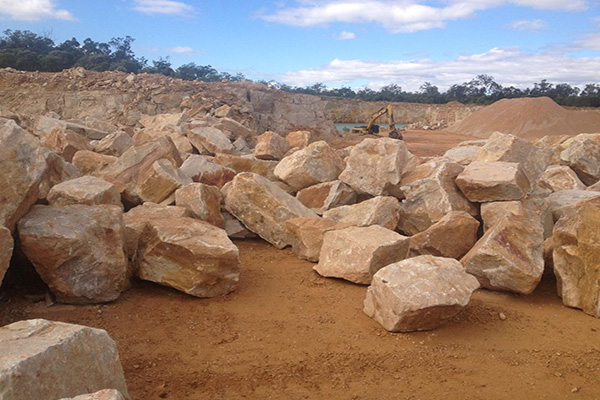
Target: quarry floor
[288, 333]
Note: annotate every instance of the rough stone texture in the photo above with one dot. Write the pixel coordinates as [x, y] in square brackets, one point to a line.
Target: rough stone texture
[327, 195]
[241, 146]
[418, 294]
[531, 208]
[430, 194]
[307, 234]
[509, 256]
[189, 255]
[161, 181]
[493, 181]
[115, 144]
[160, 122]
[582, 154]
[452, 236]
[105, 394]
[357, 253]
[87, 190]
[465, 152]
[92, 163]
[557, 178]
[65, 143]
[234, 228]
[201, 169]
[576, 256]
[299, 139]
[554, 143]
[45, 125]
[381, 210]
[263, 207]
[6, 250]
[375, 166]
[77, 250]
[247, 164]
[560, 202]
[49, 360]
[314, 164]
[270, 146]
[210, 138]
[203, 201]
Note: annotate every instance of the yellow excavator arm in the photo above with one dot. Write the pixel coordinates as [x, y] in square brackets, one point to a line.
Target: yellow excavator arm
[373, 129]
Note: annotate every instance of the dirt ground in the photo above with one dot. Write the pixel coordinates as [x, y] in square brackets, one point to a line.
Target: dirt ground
[288, 333]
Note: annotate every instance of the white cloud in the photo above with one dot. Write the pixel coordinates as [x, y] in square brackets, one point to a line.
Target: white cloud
[535, 25]
[589, 41]
[181, 50]
[169, 7]
[33, 10]
[344, 36]
[510, 67]
[401, 15]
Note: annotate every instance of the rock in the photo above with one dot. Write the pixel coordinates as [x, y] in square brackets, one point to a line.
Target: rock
[557, 178]
[52, 360]
[77, 250]
[381, 210]
[6, 250]
[375, 166]
[115, 144]
[357, 253]
[65, 143]
[452, 236]
[263, 207]
[201, 169]
[105, 394]
[555, 144]
[189, 255]
[86, 190]
[582, 154]
[548, 255]
[430, 194]
[465, 152]
[307, 234]
[160, 182]
[182, 143]
[235, 130]
[299, 139]
[92, 163]
[509, 256]
[58, 171]
[161, 122]
[314, 164]
[45, 125]
[493, 181]
[576, 241]
[327, 195]
[247, 164]
[418, 294]
[223, 111]
[531, 208]
[270, 146]
[203, 201]
[212, 139]
[560, 202]
[234, 228]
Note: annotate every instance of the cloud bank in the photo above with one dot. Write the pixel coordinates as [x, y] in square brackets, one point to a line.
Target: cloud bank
[33, 10]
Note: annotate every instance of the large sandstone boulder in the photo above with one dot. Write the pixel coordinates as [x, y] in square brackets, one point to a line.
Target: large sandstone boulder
[163, 121]
[263, 207]
[381, 210]
[45, 125]
[92, 163]
[247, 164]
[307, 235]
[203, 201]
[375, 166]
[189, 255]
[576, 256]
[105, 394]
[201, 169]
[431, 193]
[87, 190]
[115, 144]
[66, 143]
[77, 250]
[530, 208]
[582, 154]
[161, 181]
[560, 202]
[270, 146]
[48, 360]
[493, 181]
[327, 195]
[465, 152]
[357, 253]
[314, 164]
[6, 250]
[234, 228]
[210, 138]
[419, 293]
[509, 256]
[299, 139]
[559, 177]
[452, 236]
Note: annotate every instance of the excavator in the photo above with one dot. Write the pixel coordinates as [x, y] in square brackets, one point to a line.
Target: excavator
[373, 129]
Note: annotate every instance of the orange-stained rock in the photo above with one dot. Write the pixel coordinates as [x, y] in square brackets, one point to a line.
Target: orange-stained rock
[560, 202]
[582, 154]
[201, 169]
[381, 210]
[307, 235]
[299, 139]
[493, 181]
[270, 146]
[87, 190]
[212, 139]
[203, 201]
[560, 177]
[530, 208]
[92, 163]
[327, 195]
[247, 164]
[159, 183]
[65, 143]
[115, 144]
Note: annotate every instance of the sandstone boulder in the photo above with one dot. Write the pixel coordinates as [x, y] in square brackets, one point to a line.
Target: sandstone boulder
[77, 250]
[161, 181]
[45, 125]
[92, 163]
[493, 181]
[530, 208]
[115, 144]
[6, 250]
[247, 164]
[263, 207]
[201, 169]
[557, 178]
[87, 190]
[270, 146]
[418, 294]
[560, 202]
[65, 143]
[210, 138]
[161, 122]
[327, 195]
[357, 253]
[53, 360]
[582, 154]
[465, 152]
[381, 210]
[105, 394]
[189, 255]
[299, 139]
[307, 235]
[203, 201]
[234, 228]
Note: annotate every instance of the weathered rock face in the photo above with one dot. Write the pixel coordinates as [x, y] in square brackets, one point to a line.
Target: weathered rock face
[576, 241]
[299, 139]
[203, 201]
[465, 153]
[115, 144]
[419, 293]
[163, 121]
[430, 194]
[77, 250]
[314, 164]
[557, 178]
[212, 139]
[493, 181]
[560, 202]
[452, 236]
[263, 207]
[6, 250]
[234, 228]
[65, 143]
[582, 154]
[34, 360]
[357, 253]
[307, 235]
[201, 169]
[91, 163]
[509, 256]
[327, 195]
[189, 255]
[86, 190]
[270, 146]
[375, 166]
[106, 394]
[531, 208]
[247, 164]
[45, 125]
[381, 210]
[161, 181]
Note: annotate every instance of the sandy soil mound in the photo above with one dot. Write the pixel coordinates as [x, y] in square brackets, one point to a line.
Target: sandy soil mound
[528, 118]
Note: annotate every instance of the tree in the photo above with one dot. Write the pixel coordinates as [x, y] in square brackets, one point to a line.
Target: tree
[161, 66]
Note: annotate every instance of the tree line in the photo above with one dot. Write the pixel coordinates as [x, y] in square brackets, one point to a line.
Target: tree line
[27, 51]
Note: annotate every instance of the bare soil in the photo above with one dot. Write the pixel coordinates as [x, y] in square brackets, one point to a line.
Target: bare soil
[288, 333]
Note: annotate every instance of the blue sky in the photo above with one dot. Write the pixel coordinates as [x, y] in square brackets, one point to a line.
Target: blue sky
[342, 42]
